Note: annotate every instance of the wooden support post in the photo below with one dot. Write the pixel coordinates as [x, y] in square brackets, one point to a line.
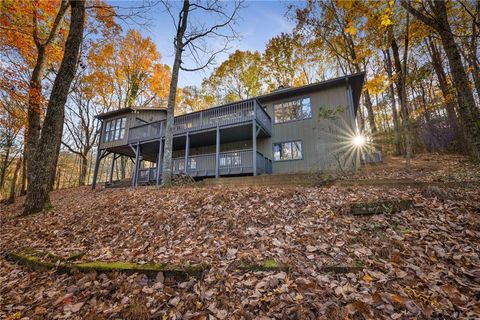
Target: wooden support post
[136, 166]
[187, 147]
[112, 165]
[159, 161]
[217, 154]
[97, 164]
[254, 146]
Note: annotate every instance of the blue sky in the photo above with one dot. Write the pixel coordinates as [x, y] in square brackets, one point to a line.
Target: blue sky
[259, 21]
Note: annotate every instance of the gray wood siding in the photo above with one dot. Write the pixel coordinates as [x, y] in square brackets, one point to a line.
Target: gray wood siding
[321, 138]
[132, 121]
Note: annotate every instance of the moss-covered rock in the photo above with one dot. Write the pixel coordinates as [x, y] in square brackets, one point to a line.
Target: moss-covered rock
[377, 207]
[265, 265]
[44, 261]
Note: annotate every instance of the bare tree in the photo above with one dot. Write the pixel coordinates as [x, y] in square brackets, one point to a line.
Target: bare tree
[46, 153]
[192, 40]
[9, 132]
[81, 127]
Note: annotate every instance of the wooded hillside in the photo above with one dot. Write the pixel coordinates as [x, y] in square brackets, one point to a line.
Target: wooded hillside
[291, 252]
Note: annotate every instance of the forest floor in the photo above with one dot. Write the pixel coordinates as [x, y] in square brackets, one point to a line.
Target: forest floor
[419, 263]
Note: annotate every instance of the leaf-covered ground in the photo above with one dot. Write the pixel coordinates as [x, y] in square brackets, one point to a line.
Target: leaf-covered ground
[419, 263]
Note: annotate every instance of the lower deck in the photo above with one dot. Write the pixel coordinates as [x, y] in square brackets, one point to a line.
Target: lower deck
[231, 163]
[223, 151]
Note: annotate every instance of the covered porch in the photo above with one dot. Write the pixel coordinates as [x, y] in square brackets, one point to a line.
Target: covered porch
[228, 150]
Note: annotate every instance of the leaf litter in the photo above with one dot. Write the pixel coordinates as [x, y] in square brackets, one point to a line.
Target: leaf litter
[419, 263]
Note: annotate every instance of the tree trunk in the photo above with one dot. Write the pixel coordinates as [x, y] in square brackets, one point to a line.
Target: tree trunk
[396, 126]
[443, 84]
[123, 167]
[57, 178]
[44, 161]
[23, 185]
[13, 187]
[467, 108]
[83, 168]
[468, 111]
[473, 52]
[361, 119]
[400, 88]
[366, 94]
[35, 111]
[405, 122]
[167, 152]
[4, 166]
[370, 114]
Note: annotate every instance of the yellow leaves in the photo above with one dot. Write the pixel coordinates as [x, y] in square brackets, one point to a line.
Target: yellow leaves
[351, 29]
[386, 18]
[345, 4]
[16, 315]
[367, 278]
[377, 84]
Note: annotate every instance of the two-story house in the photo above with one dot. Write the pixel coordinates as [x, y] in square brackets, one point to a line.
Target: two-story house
[296, 129]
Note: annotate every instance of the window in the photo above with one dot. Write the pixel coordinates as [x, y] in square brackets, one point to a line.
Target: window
[293, 110]
[115, 129]
[287, 151]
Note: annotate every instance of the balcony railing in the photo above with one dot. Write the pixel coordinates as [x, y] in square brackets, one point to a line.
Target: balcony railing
[210, 118]
[231, 163]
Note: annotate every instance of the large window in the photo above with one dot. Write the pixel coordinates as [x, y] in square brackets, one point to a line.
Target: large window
[115, 129]
[293, 110]
[291, 150]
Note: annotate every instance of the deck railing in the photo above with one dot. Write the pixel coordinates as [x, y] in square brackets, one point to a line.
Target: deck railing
[147, 175]
[209, 118]
[231, 163]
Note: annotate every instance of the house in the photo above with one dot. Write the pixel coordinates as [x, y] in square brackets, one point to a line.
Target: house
[289, 130]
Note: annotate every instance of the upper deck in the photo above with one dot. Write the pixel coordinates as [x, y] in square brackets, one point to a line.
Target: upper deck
[222, 116]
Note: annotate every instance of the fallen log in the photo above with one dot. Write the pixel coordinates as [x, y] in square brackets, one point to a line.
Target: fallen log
[40, 261]
[379, 207]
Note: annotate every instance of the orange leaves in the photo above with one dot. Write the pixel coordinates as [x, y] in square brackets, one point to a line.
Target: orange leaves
[126, 71]
[27, 20]
[350, 28]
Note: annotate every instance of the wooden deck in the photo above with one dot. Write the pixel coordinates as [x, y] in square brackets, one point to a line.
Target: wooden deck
[202, 166]
[226, 115]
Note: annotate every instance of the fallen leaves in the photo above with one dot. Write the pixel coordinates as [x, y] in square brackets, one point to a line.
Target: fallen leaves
[422, 262]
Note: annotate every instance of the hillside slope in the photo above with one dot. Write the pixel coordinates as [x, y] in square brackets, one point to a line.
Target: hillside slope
[420, 262]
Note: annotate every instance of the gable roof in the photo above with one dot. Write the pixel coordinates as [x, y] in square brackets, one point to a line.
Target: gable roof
[355, 80]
